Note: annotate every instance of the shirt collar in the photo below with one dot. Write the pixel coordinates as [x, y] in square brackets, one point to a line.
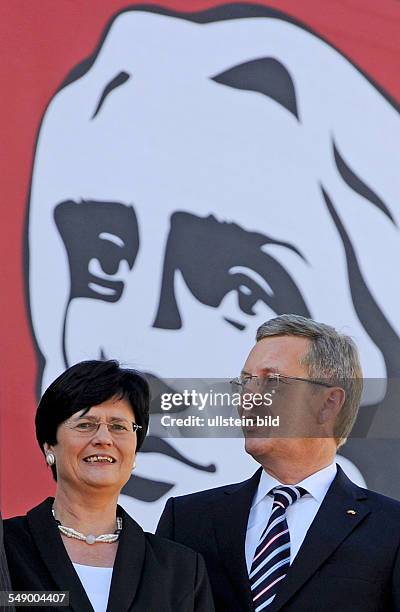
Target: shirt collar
[316, 485]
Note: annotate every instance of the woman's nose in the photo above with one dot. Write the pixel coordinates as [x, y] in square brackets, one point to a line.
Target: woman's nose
[103, 434]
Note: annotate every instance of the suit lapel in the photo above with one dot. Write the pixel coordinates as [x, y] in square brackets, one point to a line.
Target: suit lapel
[330, 527]
[48, 540]
[127, 568]
[230, 524]
[128, 565]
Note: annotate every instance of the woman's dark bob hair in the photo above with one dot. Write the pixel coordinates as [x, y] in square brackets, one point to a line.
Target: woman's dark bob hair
[88, 384]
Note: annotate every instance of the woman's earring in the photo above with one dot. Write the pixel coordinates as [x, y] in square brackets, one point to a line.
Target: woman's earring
[50, 458]
[134, 465]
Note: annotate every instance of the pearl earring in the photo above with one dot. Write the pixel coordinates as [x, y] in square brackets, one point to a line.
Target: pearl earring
[50, 458]
[134, 465]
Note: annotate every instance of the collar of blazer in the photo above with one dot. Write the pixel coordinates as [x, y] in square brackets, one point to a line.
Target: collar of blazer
[127, 568]
[330, 527]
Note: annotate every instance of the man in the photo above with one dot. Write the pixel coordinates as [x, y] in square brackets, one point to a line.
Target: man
[151, 222]
[320, 542]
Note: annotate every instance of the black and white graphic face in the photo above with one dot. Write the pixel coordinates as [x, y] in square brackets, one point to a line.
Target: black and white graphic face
[196, 179]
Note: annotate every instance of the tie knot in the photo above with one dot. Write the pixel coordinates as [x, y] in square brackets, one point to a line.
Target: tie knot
[287, 495]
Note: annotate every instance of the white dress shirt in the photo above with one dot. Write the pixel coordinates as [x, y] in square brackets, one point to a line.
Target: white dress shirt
[299, 515]
[96, 581]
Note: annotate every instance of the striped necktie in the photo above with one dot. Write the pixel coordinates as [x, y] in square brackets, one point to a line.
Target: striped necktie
[272, 556]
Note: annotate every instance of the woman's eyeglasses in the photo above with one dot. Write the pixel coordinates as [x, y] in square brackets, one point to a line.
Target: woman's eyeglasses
[86, 427]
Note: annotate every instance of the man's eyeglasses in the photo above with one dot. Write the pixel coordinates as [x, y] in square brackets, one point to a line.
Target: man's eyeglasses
[270, 382]
[86, 427]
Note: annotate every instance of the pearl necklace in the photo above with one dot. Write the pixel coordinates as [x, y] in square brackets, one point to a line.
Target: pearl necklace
[108, 538]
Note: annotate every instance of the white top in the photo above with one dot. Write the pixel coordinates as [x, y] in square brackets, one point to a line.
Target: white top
[299, 515]
[96, 581]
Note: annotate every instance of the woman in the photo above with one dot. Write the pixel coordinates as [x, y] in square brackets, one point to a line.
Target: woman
[89, 424]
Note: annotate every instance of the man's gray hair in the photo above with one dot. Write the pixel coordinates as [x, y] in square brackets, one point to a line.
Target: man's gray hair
[332, 357]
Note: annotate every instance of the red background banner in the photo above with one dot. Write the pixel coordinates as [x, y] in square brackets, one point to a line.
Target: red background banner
[41, 42]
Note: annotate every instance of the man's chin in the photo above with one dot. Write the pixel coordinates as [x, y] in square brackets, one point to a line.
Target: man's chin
[257, 446]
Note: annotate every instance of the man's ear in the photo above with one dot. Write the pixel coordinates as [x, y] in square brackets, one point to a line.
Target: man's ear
[332, 405]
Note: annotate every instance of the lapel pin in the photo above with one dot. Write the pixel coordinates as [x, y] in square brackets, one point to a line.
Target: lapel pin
[352, 512]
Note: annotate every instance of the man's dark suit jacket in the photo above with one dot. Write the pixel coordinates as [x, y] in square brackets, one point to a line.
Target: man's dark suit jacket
[348, 562]
[150, 573]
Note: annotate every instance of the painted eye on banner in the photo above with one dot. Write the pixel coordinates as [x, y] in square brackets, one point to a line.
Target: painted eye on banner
[250, 287]
[215, 258]
[102, 242]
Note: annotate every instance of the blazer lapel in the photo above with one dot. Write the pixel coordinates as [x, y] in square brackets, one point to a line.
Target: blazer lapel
[128, 565]
[230, 524]
[48, 540]
[330, 527]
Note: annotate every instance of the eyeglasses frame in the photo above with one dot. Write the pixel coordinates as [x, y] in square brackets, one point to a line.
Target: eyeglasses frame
[277, 376]
[135, 427]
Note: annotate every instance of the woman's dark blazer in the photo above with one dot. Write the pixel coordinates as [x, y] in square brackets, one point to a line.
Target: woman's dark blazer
[151, 574]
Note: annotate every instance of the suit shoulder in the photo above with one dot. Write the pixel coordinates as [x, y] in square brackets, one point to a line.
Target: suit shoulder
[168, 548]
[382, 502]
[21, 523]
[15, 524]
[16, 533]
[203, 498]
